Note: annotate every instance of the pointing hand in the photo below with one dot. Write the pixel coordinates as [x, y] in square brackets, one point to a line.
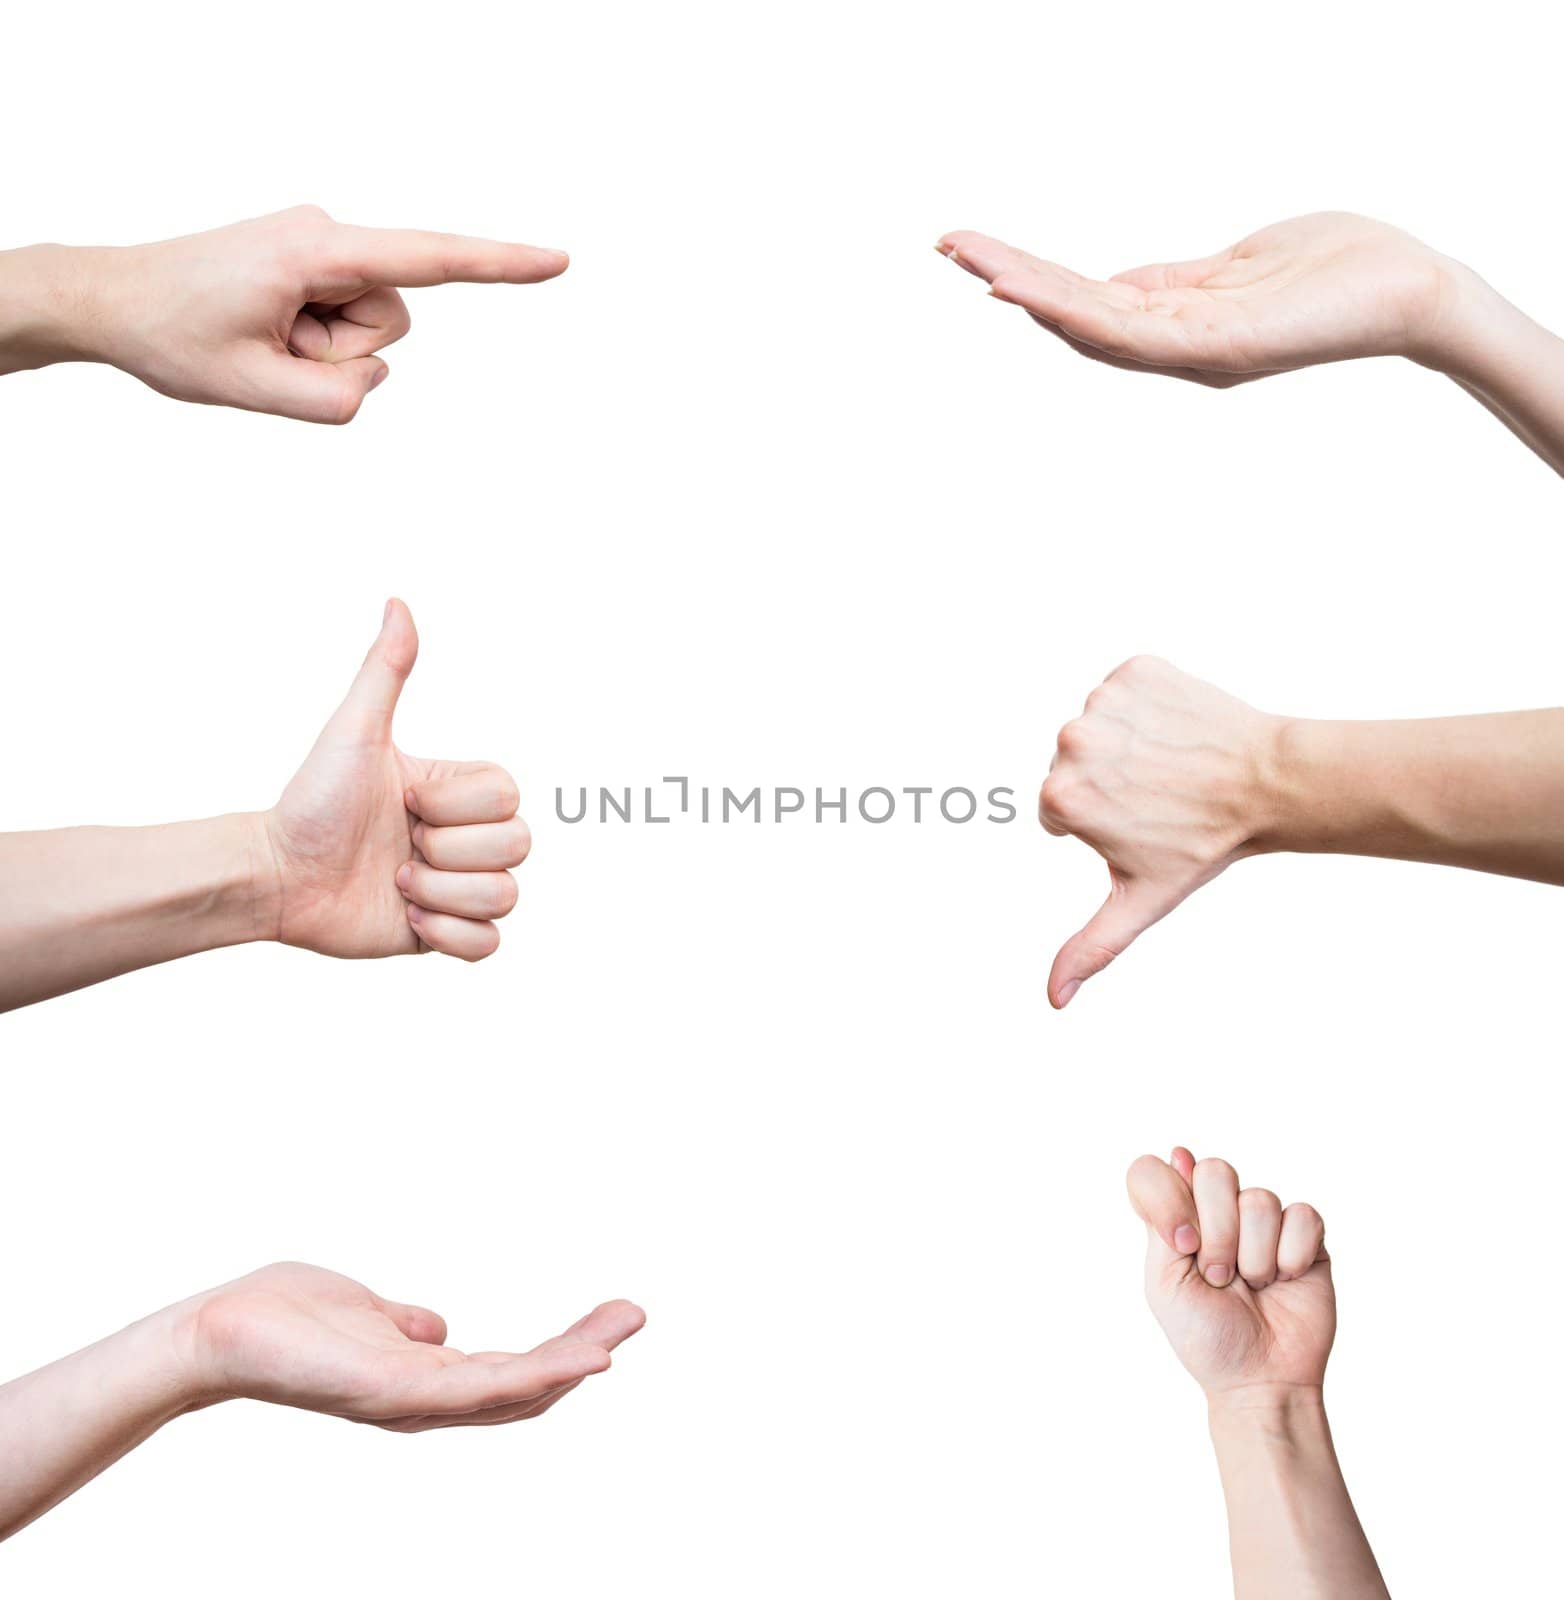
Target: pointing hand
[283, 313]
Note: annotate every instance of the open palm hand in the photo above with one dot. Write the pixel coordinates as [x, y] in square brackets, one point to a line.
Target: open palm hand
[301, 1336]
[1326, 287]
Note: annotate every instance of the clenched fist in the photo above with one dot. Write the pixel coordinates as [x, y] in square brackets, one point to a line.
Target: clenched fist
[1241, 1286]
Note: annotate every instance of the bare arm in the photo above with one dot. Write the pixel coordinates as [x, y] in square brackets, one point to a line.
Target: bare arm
[1315, 289]
[290, 1334]
[285, 313]
[369, 852]
[1172, 780]
[1242, 1287]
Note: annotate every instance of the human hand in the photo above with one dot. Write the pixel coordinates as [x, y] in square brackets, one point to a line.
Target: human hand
[283, 313]
[1241, 1287]
[301, 1336]
[1166, 778]
[371, 852]
[1326, 287]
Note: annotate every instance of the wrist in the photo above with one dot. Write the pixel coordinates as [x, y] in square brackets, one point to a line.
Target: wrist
[261, 876]
[1475, 334]
[153, 1369]
[1314, 791]
[1266, 1405]
[51, 306]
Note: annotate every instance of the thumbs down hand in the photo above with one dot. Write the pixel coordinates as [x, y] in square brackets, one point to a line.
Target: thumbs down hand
[1165, 777]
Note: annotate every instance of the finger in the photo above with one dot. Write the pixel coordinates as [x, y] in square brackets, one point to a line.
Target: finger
[1183, 1162]
[1131, 908]
[1302, 1242]
[485, 895]
[417, 1323]
[480, 847]
[461, 937]
[370, 705]
[468, 1386]
[311, 391]
[414, 259]
[489, 1417]
[1174, 274]
[1215, 1187]
[357, 328]
[985, 257]
[1162, 1200]
[485, 794]
[607, 1325]
[1259, 1229]
[1103, 315]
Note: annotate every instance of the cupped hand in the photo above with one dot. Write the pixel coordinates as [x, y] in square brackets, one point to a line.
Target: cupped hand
[1241, 1286]
[371, 852]
[301, 1336]
[1165, 778]
[283, 313]
[1326, 287]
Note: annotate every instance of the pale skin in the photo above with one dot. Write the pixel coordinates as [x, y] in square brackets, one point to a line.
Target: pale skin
[291, 1335]
[284, 313]
[1321, 288]
[369, 852]
[1242, 1288]
[1171, 780]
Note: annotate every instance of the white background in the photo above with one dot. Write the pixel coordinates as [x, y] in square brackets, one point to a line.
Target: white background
[766, 492]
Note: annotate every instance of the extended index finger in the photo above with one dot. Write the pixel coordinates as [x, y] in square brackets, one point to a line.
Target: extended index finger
[410, 258]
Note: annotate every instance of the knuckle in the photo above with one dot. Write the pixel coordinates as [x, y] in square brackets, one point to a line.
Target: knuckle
[1137, 669]
[1214, 1167]
[1074, 736]
[507, 794]
[504, 896]
[1259, 1200]
[1059, 799]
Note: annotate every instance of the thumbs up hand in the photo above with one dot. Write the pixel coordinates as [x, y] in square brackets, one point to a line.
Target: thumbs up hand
[377, 853]
[1164, 777]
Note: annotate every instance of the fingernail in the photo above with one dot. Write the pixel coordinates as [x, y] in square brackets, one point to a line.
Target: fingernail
[404, 875]
[1067, 991]
[415, 915]
[1219, 1275]
[380, 377]
[1185, 1240]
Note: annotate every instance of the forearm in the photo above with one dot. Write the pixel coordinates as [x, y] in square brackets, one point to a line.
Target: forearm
[78, 905]
[1293, 1532]
[62, 1425]
[1485, 792]
[1513, 365]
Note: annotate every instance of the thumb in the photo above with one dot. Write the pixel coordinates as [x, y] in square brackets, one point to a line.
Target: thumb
[1131, 907]
[1164, 1202]
[371, 702]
